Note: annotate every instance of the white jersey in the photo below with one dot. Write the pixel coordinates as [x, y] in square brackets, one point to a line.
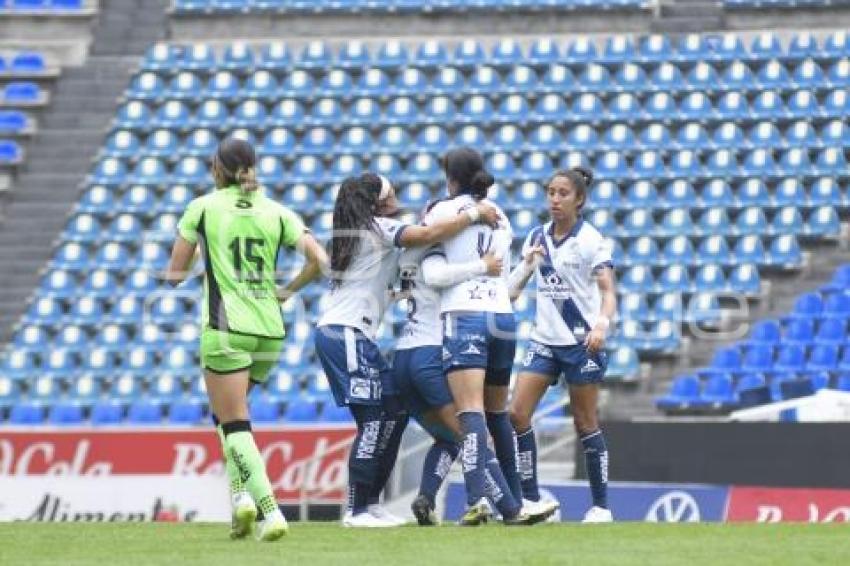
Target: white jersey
[568, 298]
[361, 297]
[423, 326]
[484, 293]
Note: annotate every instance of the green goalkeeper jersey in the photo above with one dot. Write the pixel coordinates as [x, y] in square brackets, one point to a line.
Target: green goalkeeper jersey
[241, 235]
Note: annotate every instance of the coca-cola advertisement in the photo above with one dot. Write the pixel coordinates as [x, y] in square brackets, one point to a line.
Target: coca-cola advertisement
[774, 505]
[302, 462]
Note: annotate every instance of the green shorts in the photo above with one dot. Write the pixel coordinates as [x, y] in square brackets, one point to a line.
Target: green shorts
[225, 352]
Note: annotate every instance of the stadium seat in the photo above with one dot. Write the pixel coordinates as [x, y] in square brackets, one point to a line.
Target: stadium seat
[684, 391]
[144, 413]
[301, 409]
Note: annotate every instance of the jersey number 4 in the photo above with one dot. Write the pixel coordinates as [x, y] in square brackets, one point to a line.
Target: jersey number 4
[245, 249]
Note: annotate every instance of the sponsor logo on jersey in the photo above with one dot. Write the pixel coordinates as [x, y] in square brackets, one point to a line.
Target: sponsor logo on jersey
[359, 388]
[471, 349]
[590, 366]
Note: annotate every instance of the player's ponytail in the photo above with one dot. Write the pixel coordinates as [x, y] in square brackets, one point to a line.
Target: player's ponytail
[234, 164]
[354, 211]
[465, 167]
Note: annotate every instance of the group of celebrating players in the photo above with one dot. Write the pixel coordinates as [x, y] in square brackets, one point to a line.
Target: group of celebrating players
[453, 361]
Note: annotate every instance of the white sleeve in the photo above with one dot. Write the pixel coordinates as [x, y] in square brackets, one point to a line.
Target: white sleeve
[390, 231]
[437, 272]
[604, 255]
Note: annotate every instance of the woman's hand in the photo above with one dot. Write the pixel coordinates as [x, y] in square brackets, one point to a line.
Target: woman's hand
[595, 341]
[534, 256]
[494, 264]
[488, 214]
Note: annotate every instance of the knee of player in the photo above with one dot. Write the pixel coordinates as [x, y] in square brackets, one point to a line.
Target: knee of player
[520, 419]
[585, 422]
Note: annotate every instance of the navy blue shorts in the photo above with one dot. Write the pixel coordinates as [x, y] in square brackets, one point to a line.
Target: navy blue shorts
[578, 367]
[480, 340]
[418, 375]
[357, 372]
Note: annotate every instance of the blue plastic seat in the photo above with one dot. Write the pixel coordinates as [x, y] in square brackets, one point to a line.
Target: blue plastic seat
[696, 106]
[703, 78]
[595, 78]
[641, 194]
[521, 79]
[26, 413]
[605, 195]
[809, 75]
[514, 110]
[679, 250]
[738, 77]
[677, 222]
[331, 413]
[558, 79]
[315, 55]
[301, 410]
[837, 45]
[714, 249]
[618, 49]
[644, 250]
[822, 222]
[107, 412]
[619, 137]
[624, 106]
[397, 140]
[186, 412]
[631, 78]
[423, 168]
[717, 393]
[667, 78]
[801, 104]
[440, 110]
[476, 110]
[655, 48]
[146, 86]
[28, 62]
[728, 48]
[766, 45]
[648, 164]
[840, 282]
[264, 409]
[807, 305]
[684, 391]
[753, 192]
[758, 359]
[430, 55]
[801, 134]
[787, 220]
[581, 51]
[392, 54]
[838, 74]
[785, 252]
[448, 81]
[692, 135]
[198, 57]
[402, 112]
[655, 136]
[637, 279]
[543, 51]
[674, 279]
[20, 92]
[552, 108]
[274, 56]
[831, 161]
[414, 195]
[468, 54]
[410, 82]
[835, 133]
[353, 55]
[184, 86]
[20, 364]
[144, 412]
[611, 164]
[734, 106]
[774, 75]
[823, 357]
[326, 112]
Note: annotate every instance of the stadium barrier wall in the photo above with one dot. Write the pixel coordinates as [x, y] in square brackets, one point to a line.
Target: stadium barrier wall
[56, 468]
[681, 503]
[806, 455]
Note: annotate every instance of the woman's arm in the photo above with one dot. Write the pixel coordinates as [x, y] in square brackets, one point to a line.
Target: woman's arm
[417, 236]
[182, 257]
[438, 273]
[520, 275]
[317, 261]
[595, 341]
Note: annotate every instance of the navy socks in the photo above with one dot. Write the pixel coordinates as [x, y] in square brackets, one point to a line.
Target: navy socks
[596, 460]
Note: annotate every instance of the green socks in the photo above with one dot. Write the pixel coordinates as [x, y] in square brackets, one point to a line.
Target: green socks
[249, 464]
[236, 483]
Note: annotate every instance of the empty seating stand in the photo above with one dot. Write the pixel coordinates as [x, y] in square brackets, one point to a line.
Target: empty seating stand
[716, 160]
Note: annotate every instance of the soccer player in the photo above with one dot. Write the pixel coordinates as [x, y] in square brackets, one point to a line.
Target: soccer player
[241, 233]
[479, 340]
[418, 366]
[364, 263]
[576, 300]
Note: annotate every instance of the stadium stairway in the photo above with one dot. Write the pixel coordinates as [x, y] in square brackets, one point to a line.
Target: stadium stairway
[70, 133]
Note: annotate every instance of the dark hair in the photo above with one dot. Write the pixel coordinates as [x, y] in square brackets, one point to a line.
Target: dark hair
[354, 210]
[579, 177]
[466, 166]
[235, 159]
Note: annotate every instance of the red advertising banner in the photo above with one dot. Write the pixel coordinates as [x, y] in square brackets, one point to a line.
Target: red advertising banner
[773, 505]
[301, 461]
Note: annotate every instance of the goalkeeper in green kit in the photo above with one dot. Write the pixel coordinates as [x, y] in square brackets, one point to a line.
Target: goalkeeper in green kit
[240, 233]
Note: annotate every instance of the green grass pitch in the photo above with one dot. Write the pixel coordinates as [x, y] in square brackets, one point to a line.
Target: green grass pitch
[313, 544]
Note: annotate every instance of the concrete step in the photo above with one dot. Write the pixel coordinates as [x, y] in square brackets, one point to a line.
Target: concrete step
[681, 25]
[691, 10]
[70, 120]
